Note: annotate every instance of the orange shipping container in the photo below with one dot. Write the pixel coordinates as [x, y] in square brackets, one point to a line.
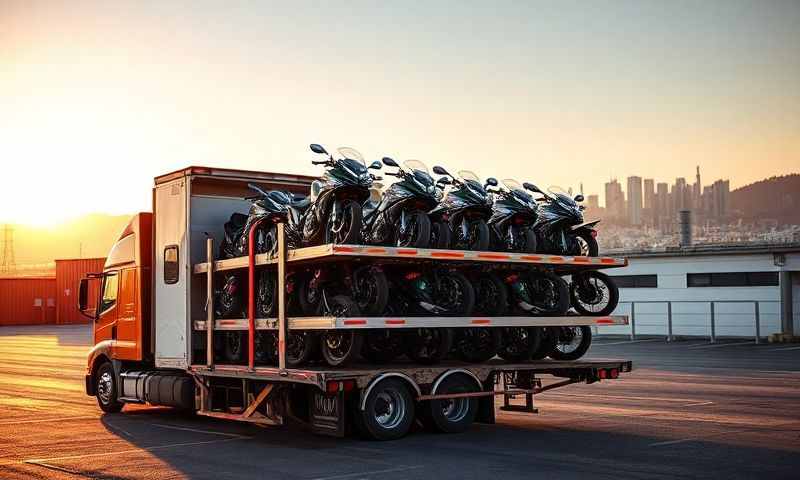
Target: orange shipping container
[27, 300]
[68, 276]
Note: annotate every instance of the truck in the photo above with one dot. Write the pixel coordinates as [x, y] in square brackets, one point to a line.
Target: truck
[156, 337]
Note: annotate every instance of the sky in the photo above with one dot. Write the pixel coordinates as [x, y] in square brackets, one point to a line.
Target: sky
[97, 98]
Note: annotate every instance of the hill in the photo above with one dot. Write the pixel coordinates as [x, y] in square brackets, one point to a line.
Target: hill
[775, 198]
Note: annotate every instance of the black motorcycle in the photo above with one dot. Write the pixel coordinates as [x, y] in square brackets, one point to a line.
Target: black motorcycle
[534, 292]
[400, 217]
[429, 292]
[332, 212]
[466, 208]
[559, 226]
[513, 216]
[267, 209]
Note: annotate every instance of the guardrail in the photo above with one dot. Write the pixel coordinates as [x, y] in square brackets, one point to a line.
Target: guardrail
[711, 314]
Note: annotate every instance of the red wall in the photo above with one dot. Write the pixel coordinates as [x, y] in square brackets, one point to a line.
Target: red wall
[68, 277]
[27, 300]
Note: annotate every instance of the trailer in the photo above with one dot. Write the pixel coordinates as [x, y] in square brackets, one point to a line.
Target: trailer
[155, 331]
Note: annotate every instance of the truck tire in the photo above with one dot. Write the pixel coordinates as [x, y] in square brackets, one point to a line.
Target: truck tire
[453, 415]
[107, 389]
[388, 411]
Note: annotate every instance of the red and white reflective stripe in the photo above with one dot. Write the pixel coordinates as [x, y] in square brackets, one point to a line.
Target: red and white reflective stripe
[355, 321]
[394, 321]
[480, 321]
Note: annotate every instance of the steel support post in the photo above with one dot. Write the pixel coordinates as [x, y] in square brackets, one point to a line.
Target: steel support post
[669, 322]
[633, 321]
[757, 311]
[283, 324]
[210, 303]
[713, 337]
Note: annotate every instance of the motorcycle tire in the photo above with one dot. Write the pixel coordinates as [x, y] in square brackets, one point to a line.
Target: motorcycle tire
[421, 232]
[428, 346]
[371, 290]
[476, 345]
[592, 249]
[455, 284]
[478, 236]
[491, 295]
[266, 295]
[341, 347]
[440, 235]
[547, 342]
[302, 346]
[350, 232]
[519, 344]
[575, 350]
[383, 346]
[309, 299]
[530, 241]
[583, 298]
[557, 306]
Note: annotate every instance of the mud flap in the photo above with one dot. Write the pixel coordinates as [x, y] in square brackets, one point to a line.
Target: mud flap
[327, 413]
[486, 410]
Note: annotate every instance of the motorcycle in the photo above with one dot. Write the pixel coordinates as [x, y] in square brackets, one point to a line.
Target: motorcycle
[537, 293]
[512, 220]
[400, 216]
[466, 208]
[559, 225]
[332, 212]
[268, 208]
[429, 291]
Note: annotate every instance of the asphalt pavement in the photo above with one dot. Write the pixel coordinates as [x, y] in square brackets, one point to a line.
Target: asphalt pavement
[689, 409]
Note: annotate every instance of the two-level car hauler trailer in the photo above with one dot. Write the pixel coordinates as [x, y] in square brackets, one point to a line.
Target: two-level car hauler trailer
[154, 327]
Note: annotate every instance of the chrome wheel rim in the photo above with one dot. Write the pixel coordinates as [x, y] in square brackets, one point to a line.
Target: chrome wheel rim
[455, 409]
[105, 388]
[389, 409]
[570, 344]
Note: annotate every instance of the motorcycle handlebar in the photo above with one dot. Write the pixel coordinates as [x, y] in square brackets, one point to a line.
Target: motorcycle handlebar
[319, 162]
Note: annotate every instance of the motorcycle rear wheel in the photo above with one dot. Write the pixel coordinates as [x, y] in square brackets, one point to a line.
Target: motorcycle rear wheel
[428, 346]
[593, 293]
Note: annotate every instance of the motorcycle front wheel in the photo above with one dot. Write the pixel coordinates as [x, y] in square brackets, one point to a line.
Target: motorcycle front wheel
[476, 345]
[417, 233]
[593, 293]
[340, 347]
[347, 227]
[587, 244]
[428, 346]
[550, 293]
[455, 294]
[440, 235]
[571, 343]
[371, 290]
[519, 343]
[477, 236]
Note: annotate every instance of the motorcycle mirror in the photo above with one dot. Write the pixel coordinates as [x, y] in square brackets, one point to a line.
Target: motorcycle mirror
[444, 181]
[491, 181]
[531, 187]
[579, 198]
[257, 189]
[440, 171]
[376, 165]
[389, 162]
[316, 148]
[377, 177]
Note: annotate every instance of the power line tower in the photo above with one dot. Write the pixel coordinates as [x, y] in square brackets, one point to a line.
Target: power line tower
[9, 263]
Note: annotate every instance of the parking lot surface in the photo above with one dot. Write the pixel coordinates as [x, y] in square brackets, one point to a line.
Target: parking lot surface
[690, 409]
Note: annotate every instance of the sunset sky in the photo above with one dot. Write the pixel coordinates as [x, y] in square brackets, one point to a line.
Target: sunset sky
[97, 98]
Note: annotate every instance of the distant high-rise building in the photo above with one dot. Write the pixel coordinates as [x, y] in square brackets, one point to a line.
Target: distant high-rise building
[615, 200]
[649, 200]
[697, 189]
[678, 197]
[720, 191]
[662, 202]
[635, 200]
[593, 201]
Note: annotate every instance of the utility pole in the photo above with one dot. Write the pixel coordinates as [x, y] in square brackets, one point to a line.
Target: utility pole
[8, 263]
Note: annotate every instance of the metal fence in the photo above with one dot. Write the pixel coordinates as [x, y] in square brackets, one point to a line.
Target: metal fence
[711, 314]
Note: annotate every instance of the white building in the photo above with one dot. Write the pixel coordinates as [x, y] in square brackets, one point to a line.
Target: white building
[735, 283]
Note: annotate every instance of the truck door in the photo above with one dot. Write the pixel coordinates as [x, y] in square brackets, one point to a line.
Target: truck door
[105, 326]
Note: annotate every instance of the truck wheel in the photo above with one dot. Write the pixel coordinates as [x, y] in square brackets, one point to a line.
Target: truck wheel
[519, 343]
[453, 415]
[107, 391]
[429, 345]
[388, 411]
[571, 343]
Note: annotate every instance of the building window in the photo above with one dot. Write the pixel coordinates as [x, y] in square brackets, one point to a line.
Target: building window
[109, 292]
[171, 270]
[636, 281]
[732, 279]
